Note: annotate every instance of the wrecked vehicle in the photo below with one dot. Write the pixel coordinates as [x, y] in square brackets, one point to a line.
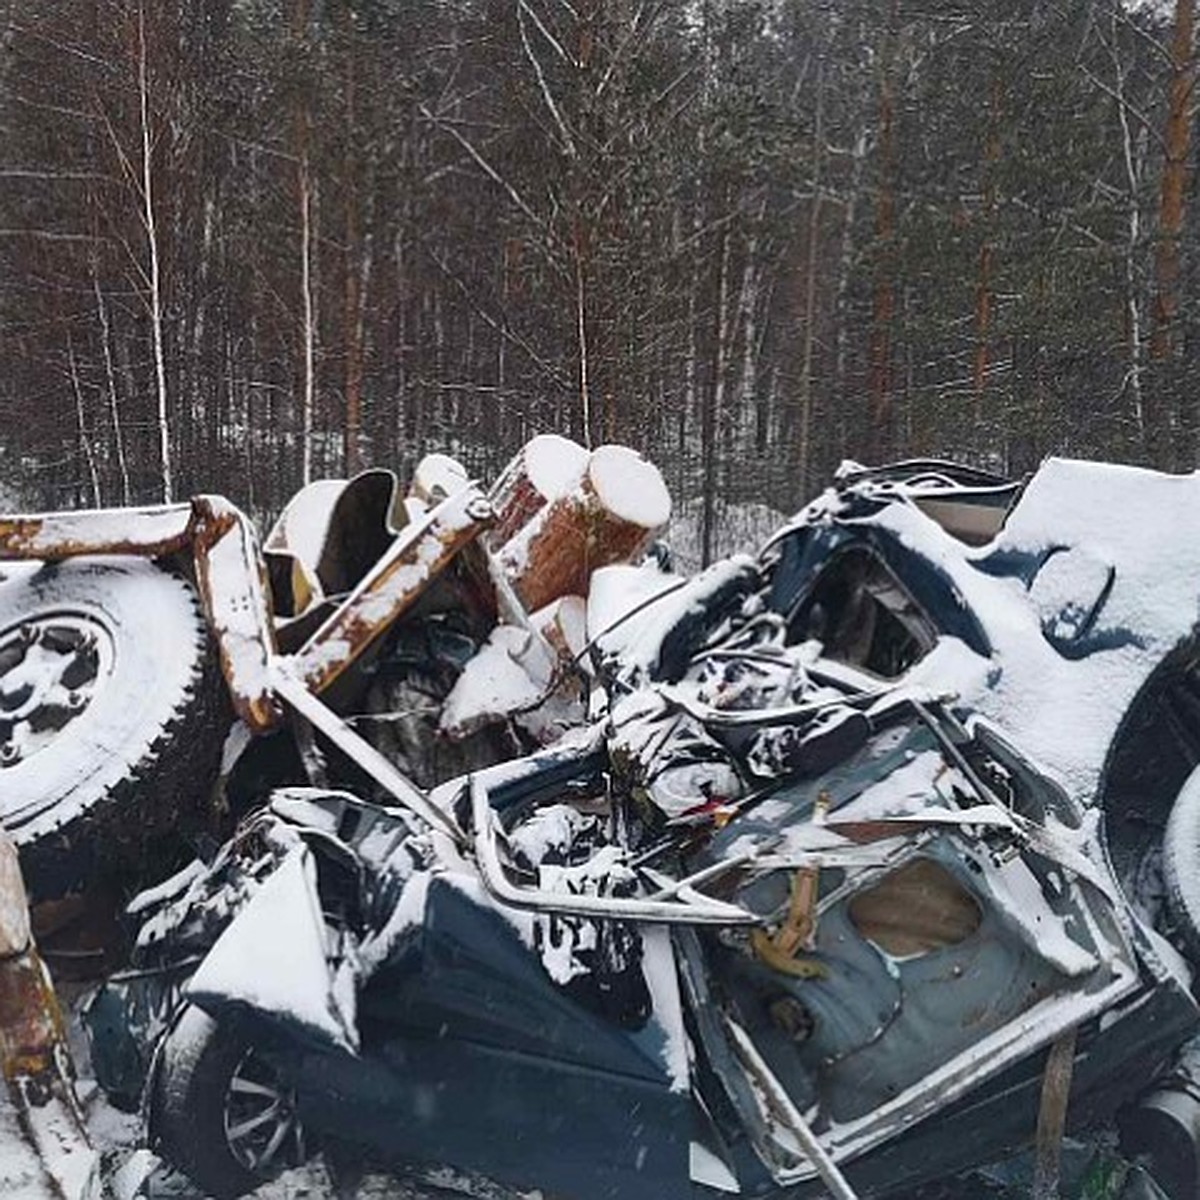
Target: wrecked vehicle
[873, 856]
[1064, 610]
[142, 633]
[773, 994]
[131, 639]
[792, 914]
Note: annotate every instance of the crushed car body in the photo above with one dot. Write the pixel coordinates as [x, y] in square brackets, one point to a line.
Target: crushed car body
[845, 868]
[774, 1002]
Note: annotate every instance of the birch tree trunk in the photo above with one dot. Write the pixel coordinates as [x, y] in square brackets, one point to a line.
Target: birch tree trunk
[803, 449]
[156, 304]
[356, 266]
[1132, 159]
[302, 122]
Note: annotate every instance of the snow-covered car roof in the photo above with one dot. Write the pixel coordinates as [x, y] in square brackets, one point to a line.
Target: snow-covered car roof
[1093, 579]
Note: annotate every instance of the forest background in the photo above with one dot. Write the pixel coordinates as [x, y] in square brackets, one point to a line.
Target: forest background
[244, 243]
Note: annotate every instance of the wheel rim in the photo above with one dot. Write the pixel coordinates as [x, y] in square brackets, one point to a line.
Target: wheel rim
[51, 669]
[262, 1126]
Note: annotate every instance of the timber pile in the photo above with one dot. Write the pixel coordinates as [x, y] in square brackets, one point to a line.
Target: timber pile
[546, 468]
[561, 513]
[602, 509]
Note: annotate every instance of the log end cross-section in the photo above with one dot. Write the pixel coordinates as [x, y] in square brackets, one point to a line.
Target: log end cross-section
[611, 516]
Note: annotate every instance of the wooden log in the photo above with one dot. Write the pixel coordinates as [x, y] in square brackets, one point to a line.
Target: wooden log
[546, 468]
[563, 624]
[610, 517]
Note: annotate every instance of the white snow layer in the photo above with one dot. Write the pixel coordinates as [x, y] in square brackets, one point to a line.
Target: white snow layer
[45, 1154]
[617, 590]
[304, 522]
[629, 486]
[438, 476]
[1065, 712]
[272, 956]
[495, 681]
[555, 465]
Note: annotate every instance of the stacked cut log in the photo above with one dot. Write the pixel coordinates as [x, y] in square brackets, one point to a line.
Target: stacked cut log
[563, 513]
[546, 468]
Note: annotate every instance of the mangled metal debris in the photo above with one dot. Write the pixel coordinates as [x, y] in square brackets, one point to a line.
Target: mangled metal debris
[45, 1153]
[744, 883]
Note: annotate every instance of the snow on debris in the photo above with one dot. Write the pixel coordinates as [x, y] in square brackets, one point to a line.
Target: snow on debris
[618, 590]
[438, 476]
[495, 680]
[21, 1170]
[1080, 517]
[636, 640]
[302, 525]
[272, 956]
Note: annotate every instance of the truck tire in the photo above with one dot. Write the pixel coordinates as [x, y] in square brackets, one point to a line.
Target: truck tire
[218, 1109]
[1181, 865]
[112, 715]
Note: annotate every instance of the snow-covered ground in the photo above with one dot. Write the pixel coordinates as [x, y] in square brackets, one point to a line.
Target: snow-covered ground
[116, 1136]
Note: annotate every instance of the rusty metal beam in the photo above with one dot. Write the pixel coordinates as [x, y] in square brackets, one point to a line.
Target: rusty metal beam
[232, 579]
[397, 581]
[145, 532]
[323, 719]
[31, 1025]
[230, 575]
[54, 1158]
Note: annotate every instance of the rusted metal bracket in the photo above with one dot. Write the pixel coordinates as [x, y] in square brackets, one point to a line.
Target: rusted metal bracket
[142, 532]
[397, 581]
[781, 950]
[34, 1058]
[31, 1025]
[232, 579]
